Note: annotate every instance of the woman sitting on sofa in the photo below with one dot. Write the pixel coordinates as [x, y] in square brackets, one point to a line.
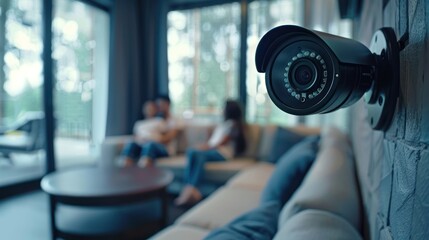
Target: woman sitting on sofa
[226, 141]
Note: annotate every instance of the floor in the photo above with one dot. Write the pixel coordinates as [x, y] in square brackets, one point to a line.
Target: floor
[25, 217]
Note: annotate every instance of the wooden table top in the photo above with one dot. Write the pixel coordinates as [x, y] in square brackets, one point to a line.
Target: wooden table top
[100, 182]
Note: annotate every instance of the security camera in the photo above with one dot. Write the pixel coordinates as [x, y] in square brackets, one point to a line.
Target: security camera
[310, 72]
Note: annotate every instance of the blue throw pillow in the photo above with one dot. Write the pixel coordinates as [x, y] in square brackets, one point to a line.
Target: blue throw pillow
[290, 171]
[259, 223]
[283, 140]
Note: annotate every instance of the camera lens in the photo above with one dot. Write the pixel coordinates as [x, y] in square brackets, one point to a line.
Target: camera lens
[303, 75]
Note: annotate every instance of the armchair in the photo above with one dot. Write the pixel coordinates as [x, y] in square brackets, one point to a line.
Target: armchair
[26, 136]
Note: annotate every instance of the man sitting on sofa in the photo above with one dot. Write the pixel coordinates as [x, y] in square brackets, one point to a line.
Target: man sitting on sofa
[155, 136]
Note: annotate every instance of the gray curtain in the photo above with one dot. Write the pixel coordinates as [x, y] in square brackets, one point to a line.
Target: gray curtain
[135, 58]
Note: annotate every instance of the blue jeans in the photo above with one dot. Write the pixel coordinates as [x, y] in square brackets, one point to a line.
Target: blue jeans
[152, 150]
[195, 166]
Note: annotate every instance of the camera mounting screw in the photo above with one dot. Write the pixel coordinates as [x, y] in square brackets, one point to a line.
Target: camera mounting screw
[381, 98]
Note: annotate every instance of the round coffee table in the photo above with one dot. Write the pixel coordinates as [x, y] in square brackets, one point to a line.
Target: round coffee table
[104, 187]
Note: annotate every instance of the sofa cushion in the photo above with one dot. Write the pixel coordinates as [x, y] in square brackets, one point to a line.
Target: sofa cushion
[259, 223]
[317, 224]
[221, 207]
[290, 171]
[267, 136]
[331, 182]
[217, 172]
[181, 232]
[254, 177]
[193, 133]
[111, 149]
[253, 136]
[197, 132]
[283, 140]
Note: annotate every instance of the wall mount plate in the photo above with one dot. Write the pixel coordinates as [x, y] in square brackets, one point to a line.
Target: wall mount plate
[382, 97]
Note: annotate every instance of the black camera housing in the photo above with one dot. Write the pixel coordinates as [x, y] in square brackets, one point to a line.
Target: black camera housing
[310, 72]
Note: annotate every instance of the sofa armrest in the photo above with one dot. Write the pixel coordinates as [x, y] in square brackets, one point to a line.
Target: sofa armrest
[111, 148]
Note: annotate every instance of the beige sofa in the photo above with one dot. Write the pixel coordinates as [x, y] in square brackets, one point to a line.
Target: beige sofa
[259, 141]
[326, 205]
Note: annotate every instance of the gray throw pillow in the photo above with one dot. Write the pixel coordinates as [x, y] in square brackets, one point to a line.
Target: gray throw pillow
[259, 223]
[283, 140]
[290, 171]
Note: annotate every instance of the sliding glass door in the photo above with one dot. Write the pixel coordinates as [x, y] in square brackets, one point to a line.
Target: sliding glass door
[80, 52]
[21, 81]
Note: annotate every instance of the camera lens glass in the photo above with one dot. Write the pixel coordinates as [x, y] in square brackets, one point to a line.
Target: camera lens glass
[303, 74]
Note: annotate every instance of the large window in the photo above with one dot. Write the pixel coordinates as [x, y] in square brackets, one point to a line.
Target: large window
[21, 82]
[21, 65]
[80, 41]
[203, 57]
[80, 53]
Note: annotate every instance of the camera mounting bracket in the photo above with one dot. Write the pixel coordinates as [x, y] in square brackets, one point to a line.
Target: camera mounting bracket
[381, 98]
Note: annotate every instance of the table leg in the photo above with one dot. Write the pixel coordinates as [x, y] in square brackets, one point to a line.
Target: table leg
[164, 210]
[52, 209]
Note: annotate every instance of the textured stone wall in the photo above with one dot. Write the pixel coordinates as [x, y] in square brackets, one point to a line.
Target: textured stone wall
[393, 167]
